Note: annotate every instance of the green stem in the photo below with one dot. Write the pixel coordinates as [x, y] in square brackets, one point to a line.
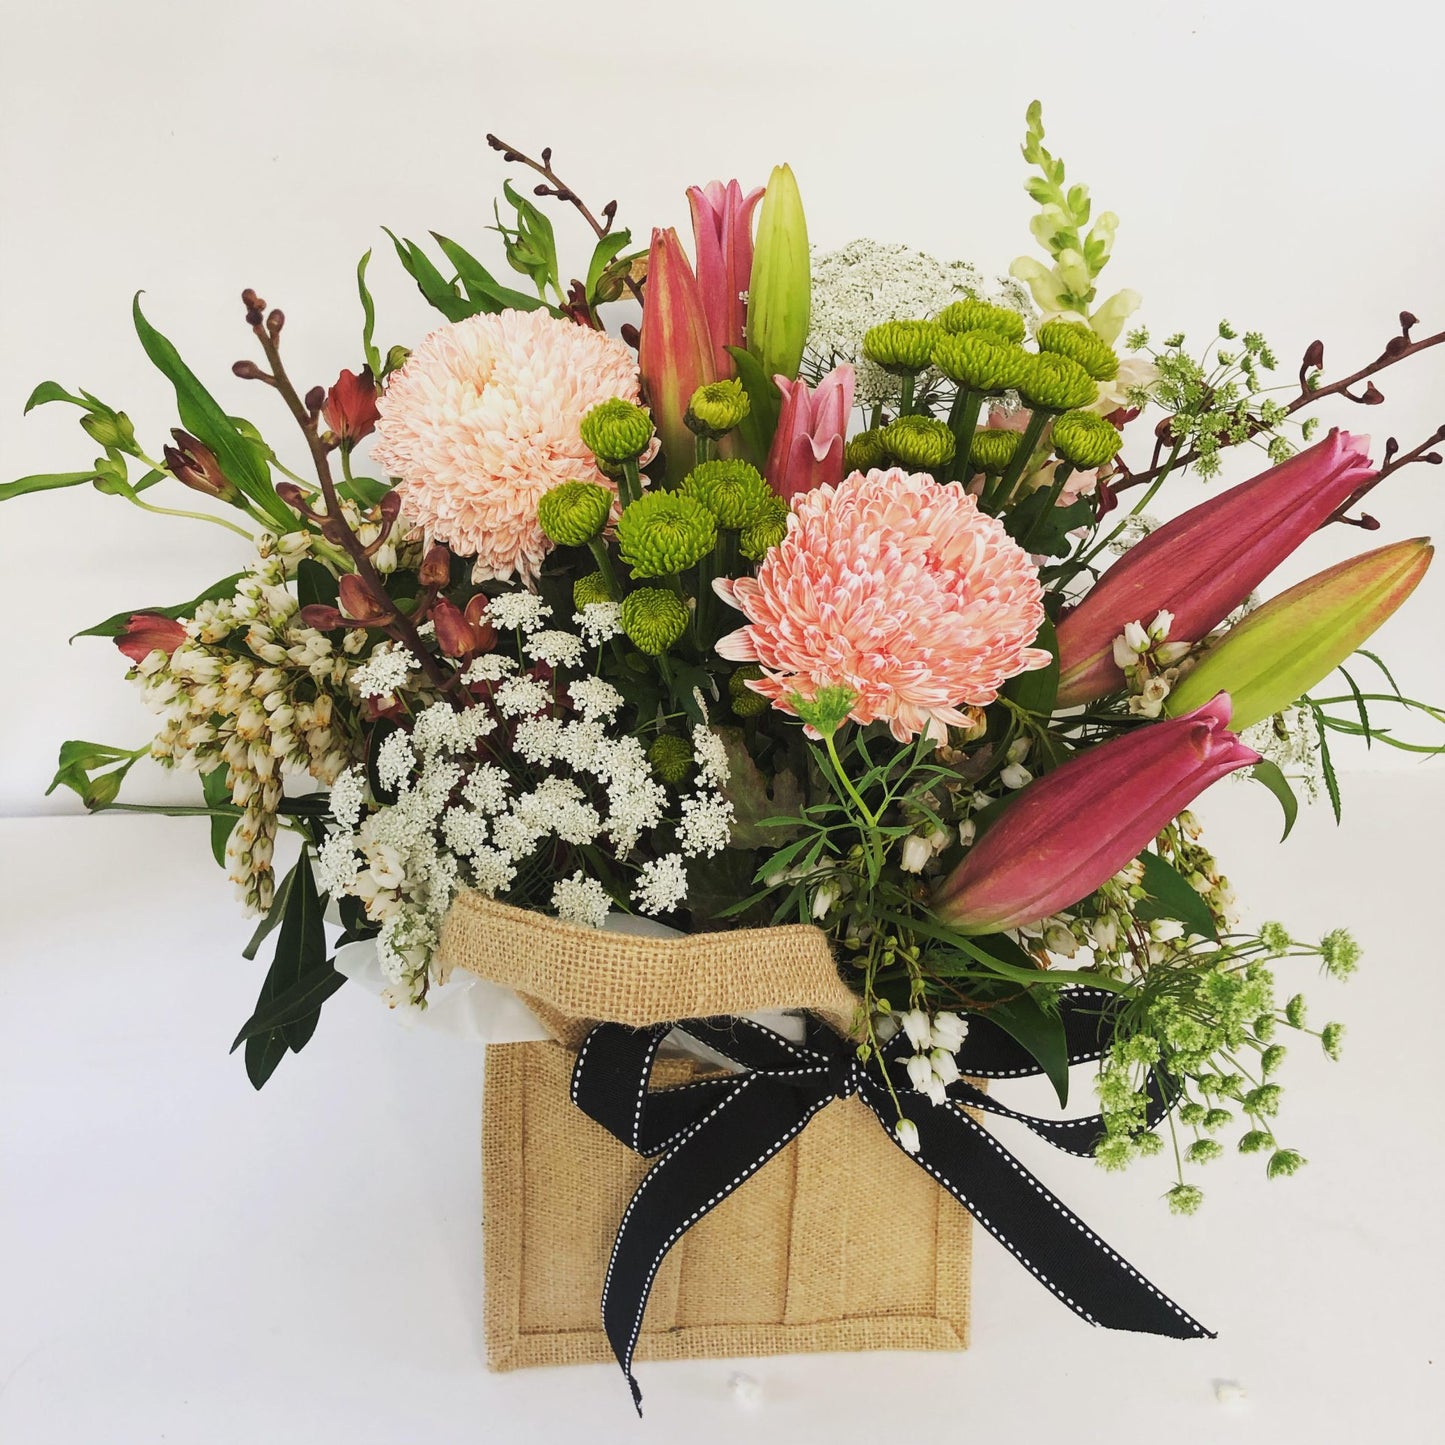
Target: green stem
[194, 516]
[702, 451]
[603, 558]
[905, 393]
[1062, 473]
[963, 422]
[632, 479]
[1137, 508]
[1038, 420]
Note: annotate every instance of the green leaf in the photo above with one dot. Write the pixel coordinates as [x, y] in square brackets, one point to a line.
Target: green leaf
[1041, 1032]
[115, 625]
[765, 405]
[263, 1053]
[273, 916]
[217, 794]
[239, 457]
[366, 491]
[1327, 766]
[368, 313]
[1036, 691]
[315, 583]
[301, 1002]
[607, 250]
[1360, 707]
[438, 291]
[755, 798]
[531, 246]
[45, 482]
[1270, 775]
[1173, 897]
[82, 767]
[53, 391]
[480, 285]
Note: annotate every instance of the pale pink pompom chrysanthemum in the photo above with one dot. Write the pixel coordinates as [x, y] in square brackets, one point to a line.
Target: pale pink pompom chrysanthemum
[483, 420]
[897, 587]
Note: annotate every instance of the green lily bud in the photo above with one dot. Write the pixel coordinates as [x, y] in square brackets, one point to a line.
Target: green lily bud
[616, 431]
[1054, 383]
[993, 449]
[1281, 650]
[671, 758]
[742, 699]
[1075, 340]
[110, 431]
[589, 589]
[864, 452]
[716, 408]
[653, 619]
[574, 513]
[780, 287]
[733, 491]
[765, 531]
[972, 315]
[980, 361]
[1084, 440]
[919, 443]
[664, 533]
[903, 348]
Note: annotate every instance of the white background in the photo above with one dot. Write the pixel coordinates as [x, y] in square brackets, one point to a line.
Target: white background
[183, 1261]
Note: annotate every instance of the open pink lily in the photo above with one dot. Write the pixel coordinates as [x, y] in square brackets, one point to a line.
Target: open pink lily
[722, 227]
[807, 449]
[1203, 564]
[1076, 827]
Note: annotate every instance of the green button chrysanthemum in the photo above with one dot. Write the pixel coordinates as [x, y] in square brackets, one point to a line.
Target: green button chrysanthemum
[1084, 440]
[865, 451]
[972, 315]
[1055, 383]
[733, 491]
[981, 361]
[664, 533]
[992, 450]
[901, 347]
[671, 758]
[589, 589]
[919, 443]
[741, 698]
[574, 513]
[757, 541]
[653, 619]
[616, 431]
[716, 408]
[1076, 341]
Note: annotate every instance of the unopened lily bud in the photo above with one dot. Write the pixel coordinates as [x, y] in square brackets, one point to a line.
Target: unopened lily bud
[436, 567]
[454, 633]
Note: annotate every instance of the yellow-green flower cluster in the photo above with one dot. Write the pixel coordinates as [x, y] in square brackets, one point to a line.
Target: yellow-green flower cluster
[653, 619]
[902, 348]
[981, 361]
[664, 533]
[616, 431]
[733, 491]
[574, 513]
[973, 315]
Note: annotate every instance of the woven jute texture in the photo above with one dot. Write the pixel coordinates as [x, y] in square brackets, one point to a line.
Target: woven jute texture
[837, 1243]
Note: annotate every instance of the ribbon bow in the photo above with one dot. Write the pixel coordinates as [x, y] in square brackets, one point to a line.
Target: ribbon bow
[712, 1135]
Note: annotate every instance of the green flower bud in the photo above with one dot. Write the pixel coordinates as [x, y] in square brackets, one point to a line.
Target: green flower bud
[903, 348]
[1339, 953]
[664, 533]
[1330, 1038]
[1185, 1199]
[919, 443]
[716, 408]
[574, 513]
[828, 708]
[741, 698]
[766, 531]
[616, 431]
[972, 315]
[589, 589]
[993, 449]
[1284, 1162]
[110, 431]
[1272, 1058]
[733, 491]
[1075, 340]
[653, 619]
[1203, 1151]
[980, 361]
[1255, 1142]
[1054, 383]
[1084, 440]
[1294, 1011]
[671, 758]
[865, 452]
[396, 358]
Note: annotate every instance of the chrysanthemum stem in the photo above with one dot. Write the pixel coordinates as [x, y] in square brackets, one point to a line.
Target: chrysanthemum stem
[633, 480]
[1038, 420]
[702, 450]
[963, 421]
[1062, 473]
[603, 558]
[905, 393]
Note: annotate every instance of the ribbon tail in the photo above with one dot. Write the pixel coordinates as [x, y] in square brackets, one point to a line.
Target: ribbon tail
[724, 1148]
[1039, 1230]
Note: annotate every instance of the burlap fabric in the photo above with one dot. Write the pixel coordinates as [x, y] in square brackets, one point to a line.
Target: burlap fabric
[837, 1243]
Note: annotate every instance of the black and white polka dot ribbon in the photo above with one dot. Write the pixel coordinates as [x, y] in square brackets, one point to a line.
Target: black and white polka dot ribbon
[709, 1137]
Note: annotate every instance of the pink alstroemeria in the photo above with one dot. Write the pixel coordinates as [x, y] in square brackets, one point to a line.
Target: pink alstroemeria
[1076, 827]
[1203, 564]
[807, 449]
[149, 632]
[722, 226]
[675, 353]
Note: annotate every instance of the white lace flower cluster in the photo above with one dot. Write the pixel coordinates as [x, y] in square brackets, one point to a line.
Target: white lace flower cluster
[866, 282]
[480, 792]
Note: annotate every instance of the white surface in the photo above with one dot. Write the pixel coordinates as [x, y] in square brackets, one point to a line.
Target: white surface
[1274, 163]
[185, 1261]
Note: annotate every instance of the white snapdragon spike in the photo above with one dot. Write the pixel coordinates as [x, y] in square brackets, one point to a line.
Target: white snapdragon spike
[915, 854]
[518, 611]
[385, 671]
[581, 900]
[661, 884]
[599, 622]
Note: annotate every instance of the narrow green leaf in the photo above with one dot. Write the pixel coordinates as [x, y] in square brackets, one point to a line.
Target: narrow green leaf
[438, 291]
[1270, 775]
[1389, 676]
[45, 482]
[765, 405]
[480, 285]
[1039, 1031]
[1036, 691]
[53, 391]
[273, 916]
[217, 794]
[368, 313]
[606, 251]
[1360, 707]
[1174, 898]
[1327, 766]
[113, 626]
[299, 1004]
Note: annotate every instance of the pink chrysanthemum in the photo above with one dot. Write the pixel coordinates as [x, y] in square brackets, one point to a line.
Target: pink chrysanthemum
[897, 587]
[483, 420]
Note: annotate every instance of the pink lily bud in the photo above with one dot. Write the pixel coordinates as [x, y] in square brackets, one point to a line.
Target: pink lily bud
[722, 226]
[675, 351]
[1076, 827]
[1203, 564]
[149, 632]
[807, 449]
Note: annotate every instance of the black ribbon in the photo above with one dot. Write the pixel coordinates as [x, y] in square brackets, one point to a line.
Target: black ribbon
[711, 1135]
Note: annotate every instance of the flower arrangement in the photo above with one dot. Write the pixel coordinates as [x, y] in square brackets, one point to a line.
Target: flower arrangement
[825, 591]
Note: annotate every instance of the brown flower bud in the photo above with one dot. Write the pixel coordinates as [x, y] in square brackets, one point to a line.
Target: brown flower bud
[194, 464]
[455, 635]
[321, 617]
[436, 567]
[476, 613]
[360, 604]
